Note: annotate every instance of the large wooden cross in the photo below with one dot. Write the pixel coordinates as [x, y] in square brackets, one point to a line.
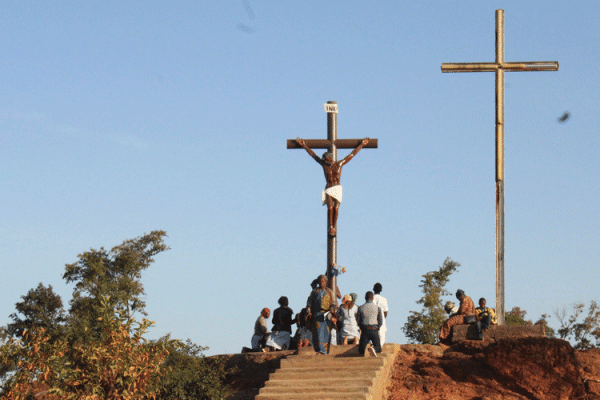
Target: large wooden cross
[499, 67]
[332, 143]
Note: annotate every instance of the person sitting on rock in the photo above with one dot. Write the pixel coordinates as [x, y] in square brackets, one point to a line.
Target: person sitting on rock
[261, 332]
[466, 308]
[485, 317]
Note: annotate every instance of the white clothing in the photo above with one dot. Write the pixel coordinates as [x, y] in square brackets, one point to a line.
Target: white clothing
[453, 312]
[334, 191]
[381, 303]
[278, 339]
[333, 337]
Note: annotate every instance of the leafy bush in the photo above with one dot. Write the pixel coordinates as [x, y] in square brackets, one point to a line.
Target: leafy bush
[121, 366]
[584, 334]
[424, 326]
[190, 375]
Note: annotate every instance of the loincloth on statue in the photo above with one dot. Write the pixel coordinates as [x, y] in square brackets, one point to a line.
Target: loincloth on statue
[334, 191]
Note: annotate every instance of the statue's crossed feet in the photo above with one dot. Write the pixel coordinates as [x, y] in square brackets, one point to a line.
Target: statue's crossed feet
[332, 231]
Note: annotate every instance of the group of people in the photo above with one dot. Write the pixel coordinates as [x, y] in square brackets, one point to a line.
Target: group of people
[467, 313]
[323, 323]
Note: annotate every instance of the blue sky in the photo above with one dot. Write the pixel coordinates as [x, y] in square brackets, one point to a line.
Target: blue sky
[119, 118]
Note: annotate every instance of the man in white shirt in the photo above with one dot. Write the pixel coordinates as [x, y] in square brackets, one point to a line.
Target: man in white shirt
[381, 302]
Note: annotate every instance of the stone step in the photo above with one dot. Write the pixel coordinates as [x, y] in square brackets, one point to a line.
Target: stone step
[346, 351]
[311, 396]
[321, 382]
[346, 361]
[343, 374]
[307, 374]
[309, 390]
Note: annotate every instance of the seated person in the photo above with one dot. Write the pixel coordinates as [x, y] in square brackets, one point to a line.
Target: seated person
[485, 317]
[282, 326]
[466, 308]
[347, 322]
[261, 333]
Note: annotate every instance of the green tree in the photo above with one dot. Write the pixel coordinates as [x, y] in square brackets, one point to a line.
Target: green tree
[188, 374]
[516, 316]
[121, 366]
[102, 353]
[40, 308]
[424, 326]
[583, 334]
[115, 273]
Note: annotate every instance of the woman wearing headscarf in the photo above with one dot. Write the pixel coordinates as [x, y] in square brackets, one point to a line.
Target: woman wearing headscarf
[282, 326]
[347, 321]
[320, 303]
[467, 307]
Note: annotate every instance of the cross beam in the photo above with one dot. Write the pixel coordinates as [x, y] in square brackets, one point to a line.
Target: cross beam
[326, 144]
[332, 143]
[499, 67]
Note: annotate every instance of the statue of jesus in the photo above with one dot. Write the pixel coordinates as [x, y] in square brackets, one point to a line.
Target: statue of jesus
[332, 195]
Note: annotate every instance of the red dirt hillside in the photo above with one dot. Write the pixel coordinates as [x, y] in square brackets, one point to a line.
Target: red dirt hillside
[526, 368]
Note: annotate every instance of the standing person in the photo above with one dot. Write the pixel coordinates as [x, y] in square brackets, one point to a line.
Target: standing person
[370, 319]
[381, 302]
[261, 333]
[320, 303]
[467, 307]
[282, 326]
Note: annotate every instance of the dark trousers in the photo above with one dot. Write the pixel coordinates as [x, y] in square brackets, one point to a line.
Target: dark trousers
[482, 324]
[369, 334]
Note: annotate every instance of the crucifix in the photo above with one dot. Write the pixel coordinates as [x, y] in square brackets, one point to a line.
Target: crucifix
[499, 67]
[332, 195]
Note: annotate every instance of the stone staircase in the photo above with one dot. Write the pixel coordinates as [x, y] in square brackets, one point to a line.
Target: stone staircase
[343, 374]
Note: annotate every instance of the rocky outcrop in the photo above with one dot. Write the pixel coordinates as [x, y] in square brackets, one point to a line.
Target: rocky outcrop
[526, 368]
[546, 368]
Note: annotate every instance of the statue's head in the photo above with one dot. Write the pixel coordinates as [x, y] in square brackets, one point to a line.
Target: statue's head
[265, 312]
[327, 157]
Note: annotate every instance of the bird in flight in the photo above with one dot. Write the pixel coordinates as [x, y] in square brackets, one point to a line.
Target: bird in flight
[563, 118]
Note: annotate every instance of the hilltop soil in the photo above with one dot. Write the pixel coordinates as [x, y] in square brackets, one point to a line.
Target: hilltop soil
[527, 368]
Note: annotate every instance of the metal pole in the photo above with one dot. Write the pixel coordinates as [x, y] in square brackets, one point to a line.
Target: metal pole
[331, 240]
[500, 167]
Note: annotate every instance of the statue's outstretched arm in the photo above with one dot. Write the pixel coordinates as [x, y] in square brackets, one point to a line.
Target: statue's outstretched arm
[309, 151]
[349, 157]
